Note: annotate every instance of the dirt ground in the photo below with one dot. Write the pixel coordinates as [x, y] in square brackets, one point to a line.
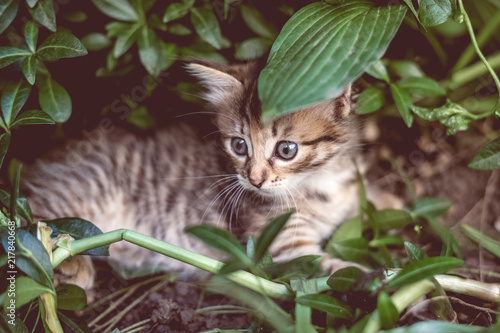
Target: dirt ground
[436, 165]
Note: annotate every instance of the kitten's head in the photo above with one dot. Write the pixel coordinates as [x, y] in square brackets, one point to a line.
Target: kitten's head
[271, 155]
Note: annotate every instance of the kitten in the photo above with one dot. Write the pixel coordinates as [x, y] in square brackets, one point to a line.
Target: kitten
[160, 184]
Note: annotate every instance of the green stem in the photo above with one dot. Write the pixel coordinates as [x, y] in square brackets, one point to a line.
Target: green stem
[480, 54]
[474, 71]
[263, 286]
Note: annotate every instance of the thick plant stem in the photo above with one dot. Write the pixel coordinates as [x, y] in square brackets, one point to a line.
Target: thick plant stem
[263, 286]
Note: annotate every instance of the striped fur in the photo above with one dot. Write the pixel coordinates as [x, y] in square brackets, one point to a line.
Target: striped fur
[159, 184]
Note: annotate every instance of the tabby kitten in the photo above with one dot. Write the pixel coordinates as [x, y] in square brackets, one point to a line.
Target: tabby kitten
[257, 169]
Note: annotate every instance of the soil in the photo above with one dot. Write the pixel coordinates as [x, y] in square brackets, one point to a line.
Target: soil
[436, 165]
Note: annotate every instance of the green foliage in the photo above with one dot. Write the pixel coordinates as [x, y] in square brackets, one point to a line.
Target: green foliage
[488, 157]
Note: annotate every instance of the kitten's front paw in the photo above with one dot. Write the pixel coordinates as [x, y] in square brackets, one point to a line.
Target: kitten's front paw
[79, 270]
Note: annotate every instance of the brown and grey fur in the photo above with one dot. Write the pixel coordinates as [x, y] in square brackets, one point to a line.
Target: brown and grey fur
[160, 184]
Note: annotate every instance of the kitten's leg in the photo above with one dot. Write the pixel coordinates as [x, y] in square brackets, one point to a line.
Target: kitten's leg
[79, 270]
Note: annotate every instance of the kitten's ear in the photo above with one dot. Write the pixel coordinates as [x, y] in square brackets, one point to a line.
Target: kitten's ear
[216, 78]
[342, 104]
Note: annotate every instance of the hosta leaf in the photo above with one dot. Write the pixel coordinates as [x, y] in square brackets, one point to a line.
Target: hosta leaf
[54, 99]
[31, 35]
[257, 23]
[10, 54]
[8, 11]
[117, 9]
[78, 229]
[61, 44]
[207, 27]
[452, 115]
[33, 117]
[388, 313]
[326, 303]
[45, 14]
[423, 269]
[403, 103]
[14, 96]
[252, 48]
[177, 10]
[422, 86]
[431, 207]
[70, 297]
[4, 146]
[370, 100]
[29, 69]
[126, 38]
[322, 49]
[434, 12]
[488, 157]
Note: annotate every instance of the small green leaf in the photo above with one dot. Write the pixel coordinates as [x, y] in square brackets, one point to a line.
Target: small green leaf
[28, 289]
[252, 48]
[370, 100]
[269, 233]
[31, 35]
[177, 10]
[33, 117]
[344, 278]
[207, 27]
[61, 44]
[403, 102]
[406, 69]
[29, 69]
[54, 99]
[78, 229]
[334, 307]
[8, 11]
[422, 86]
[301, 267]
[70, 297]
[18, 324]
[388, 219]
[449, 241]
[22, 207]
[117, 9]
[351, 228]
[31, 3]
[353, 249]
[485, 241]
[77, 328]
[423, 269]
[386, 240]
[434, 12]
[414, 252]
[44, 14]
[412, 8]
[257, 23]
[10, 54]
[488, 157]
[388, 313]
[96, 41]
[219, 239]
[431, 207]
[149, 51]
[378, 70]
[4, 146]
[179, 30]
[452, 115]
[14, 96]
[126, 38]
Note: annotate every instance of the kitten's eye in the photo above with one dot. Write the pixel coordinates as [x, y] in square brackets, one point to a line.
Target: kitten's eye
[286, 150]
[239, 146]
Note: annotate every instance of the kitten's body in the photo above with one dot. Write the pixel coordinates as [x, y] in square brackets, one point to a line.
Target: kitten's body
[160, 184]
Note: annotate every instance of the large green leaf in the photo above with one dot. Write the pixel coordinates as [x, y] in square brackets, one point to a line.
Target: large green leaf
[207, 27]
[45, 14]
[423, 269]
[326, 303]
[78, 229]
[4, 146]
[177, 10]
[33, 117]
[10, 54]
[31, 35]
[322, 49]
[13, 98]
[8, 11]
[434, 12]
[488, 157]
[117, 9]
[61, 44]
[54, 100]
[29, 69]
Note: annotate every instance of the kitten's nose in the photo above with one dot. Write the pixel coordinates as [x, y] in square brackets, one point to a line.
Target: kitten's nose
[257, 181]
